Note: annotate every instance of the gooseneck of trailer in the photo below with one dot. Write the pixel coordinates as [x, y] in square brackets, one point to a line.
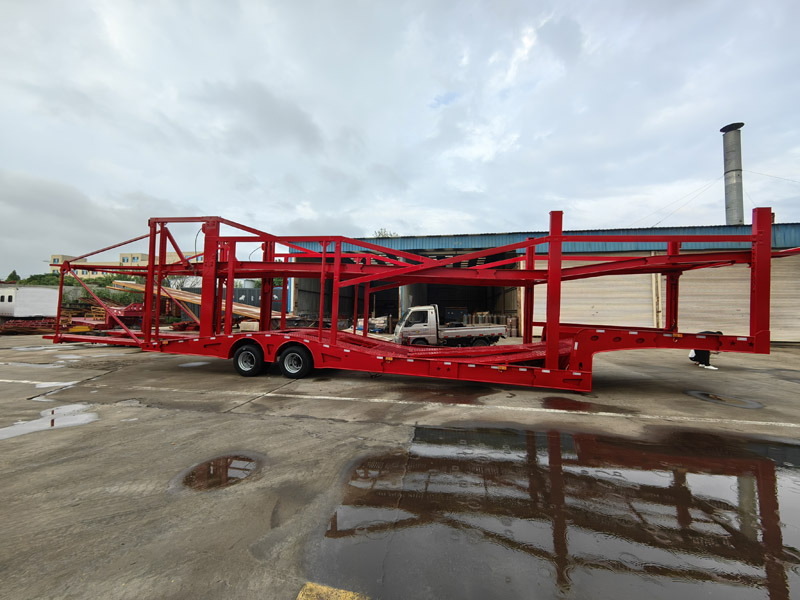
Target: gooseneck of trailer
[562, 359]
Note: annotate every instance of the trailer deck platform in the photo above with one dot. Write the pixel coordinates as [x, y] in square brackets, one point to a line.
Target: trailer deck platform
[563, 359]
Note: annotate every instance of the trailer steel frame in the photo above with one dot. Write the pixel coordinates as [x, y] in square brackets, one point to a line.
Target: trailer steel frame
[562, 360]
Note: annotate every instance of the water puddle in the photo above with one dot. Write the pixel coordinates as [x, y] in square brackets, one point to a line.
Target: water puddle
[725, 400]
[574, 405]
[499, 513]
[447, 394]
[68, 415]
[199, 363]
[220, 472]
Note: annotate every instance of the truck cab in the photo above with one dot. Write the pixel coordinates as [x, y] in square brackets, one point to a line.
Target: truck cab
[419, 326]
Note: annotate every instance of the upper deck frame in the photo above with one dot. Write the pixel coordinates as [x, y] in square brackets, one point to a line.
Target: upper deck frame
[562, 360]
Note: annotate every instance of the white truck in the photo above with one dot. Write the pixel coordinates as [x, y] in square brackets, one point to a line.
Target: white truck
[27, 301]
[420, 326]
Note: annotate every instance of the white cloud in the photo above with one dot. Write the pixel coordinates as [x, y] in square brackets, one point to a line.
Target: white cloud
[521, 54]
[417, 116]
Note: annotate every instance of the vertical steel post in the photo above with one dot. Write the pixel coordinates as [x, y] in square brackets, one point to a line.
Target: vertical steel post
[271, 290]
[366, 305]
[760, 265]
[322, 276]
[337, 275]
[554, 289]
[673, 291]
[527, 298]
[284, 300]
[355, 309]
[209, 286]
[147, 313]
[162, 253]
[231, 280]
[265, 309]
[223, 256]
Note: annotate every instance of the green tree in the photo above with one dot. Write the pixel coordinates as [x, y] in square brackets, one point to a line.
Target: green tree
[44, 279]
[385, 233]
[13, 276]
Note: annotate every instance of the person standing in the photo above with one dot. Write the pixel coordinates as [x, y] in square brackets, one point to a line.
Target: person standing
[702, 358]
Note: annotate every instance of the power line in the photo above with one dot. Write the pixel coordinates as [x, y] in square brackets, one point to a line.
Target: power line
[773, 176]
[660, 208]
[700, 192]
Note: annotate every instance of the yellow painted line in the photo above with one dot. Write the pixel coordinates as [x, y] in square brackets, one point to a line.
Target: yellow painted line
[315, 591]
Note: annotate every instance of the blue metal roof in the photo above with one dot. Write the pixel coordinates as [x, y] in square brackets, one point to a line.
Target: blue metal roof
[784, 235]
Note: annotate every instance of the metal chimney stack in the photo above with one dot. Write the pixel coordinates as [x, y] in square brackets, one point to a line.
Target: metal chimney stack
[732, 150]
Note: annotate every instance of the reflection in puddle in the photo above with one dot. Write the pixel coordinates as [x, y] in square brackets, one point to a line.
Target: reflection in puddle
[52, 418]
[489, 513]
[220, 472]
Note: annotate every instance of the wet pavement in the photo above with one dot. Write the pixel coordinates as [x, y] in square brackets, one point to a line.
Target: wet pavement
[500, 513]
[131, 475]
[220, 472]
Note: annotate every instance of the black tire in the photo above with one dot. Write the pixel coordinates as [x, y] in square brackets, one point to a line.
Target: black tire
[420, 342]
[295, 362]
[480, 342]
[248, 360]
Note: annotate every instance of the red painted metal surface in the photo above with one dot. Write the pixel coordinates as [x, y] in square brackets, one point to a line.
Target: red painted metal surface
[562, 360]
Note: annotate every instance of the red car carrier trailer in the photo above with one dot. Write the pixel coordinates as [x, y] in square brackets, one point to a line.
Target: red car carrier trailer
[562, 359]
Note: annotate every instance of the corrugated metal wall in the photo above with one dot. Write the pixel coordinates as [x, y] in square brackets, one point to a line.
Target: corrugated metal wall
[613, 300]
[719, 300]
[786, 299]
[710, 299]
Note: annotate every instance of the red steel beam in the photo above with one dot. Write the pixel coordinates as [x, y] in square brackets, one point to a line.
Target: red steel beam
[554, 289]
[760, 276]
[162, 255]
[147, 317]
[105, 307]
[130, 241]
[209, 285]
[453, 259]
[337, 264]
[231, 278]
[367, 292]
[322, 277]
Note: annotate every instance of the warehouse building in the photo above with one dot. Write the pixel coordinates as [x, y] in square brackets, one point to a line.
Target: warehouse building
[710, 299]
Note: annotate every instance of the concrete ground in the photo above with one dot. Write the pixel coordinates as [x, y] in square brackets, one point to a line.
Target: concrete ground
[92, 501]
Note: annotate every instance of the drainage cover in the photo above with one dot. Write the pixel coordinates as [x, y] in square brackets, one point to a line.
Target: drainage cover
[220, 472]
[725, 400]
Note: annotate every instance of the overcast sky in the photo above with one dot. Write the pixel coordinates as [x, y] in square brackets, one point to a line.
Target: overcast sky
[423, 117]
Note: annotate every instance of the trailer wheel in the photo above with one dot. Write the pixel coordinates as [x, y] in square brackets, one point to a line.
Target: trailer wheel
[249, 360]
[295, 362]
[480, 342]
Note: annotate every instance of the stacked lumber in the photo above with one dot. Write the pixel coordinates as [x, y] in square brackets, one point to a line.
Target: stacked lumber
[243, 310]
